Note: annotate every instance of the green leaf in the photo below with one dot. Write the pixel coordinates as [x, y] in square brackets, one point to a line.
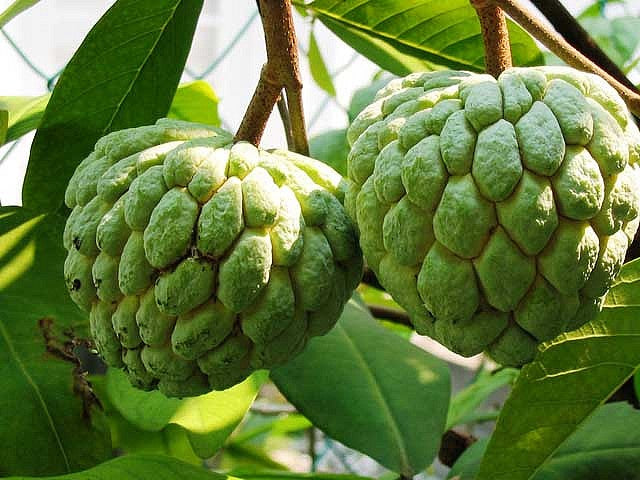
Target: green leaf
[25, 114]
[208, 419]
[469, 399]
[275, 426]
[571, 376]
[248, 458]
[607, 445]
[15, 9]
[49, 421]
[626, 289]
[129, 439]
[124, 74]
[387, 54]
[279, 475]
[443, 33]
[331, 147]
[318, 68]
[4, 125]
[371, 390]
[617, 37]
[195, 102]
[137, 467]
[467, 466]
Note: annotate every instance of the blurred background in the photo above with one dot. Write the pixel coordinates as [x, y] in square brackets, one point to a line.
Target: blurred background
[227, 52]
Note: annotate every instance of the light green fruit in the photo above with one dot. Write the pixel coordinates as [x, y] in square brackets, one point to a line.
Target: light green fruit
[497, 212]
[200, 260]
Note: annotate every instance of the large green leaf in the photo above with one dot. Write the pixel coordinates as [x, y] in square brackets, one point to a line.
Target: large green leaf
[571, 376]
[195, 102]
[16, 8]
[49, 420]
[626, 290]
[469, 399]
[392, 56]
[208, 419]
[128, 439]
[443, 33]
[124, 74]
[607, 446]
[141, 467]
[372, 390]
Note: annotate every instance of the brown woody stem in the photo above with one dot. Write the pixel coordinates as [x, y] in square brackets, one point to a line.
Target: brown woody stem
[390, 314]
[563, 49]
[280, 71]
[497, 57]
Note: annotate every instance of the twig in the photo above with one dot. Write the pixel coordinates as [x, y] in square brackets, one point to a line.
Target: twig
[572, 31]
[453, 446]
[558, 45]
[497, 50]
[286, 120]
[390, 314]
[280, 71]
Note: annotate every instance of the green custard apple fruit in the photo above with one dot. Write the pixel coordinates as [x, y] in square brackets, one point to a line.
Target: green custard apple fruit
[200, 260]
[496, 212]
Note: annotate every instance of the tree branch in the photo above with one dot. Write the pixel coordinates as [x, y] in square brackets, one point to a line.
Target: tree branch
[391, 314]
[572, 31]
[497, 50]
[280, 71]
[563, 49]
[283, 110]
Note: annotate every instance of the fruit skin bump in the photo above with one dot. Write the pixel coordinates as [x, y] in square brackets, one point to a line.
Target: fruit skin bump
[496, 212]
[199, 260]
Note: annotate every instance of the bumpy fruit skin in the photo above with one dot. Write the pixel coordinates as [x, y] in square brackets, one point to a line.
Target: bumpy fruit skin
[200, 260]
[496, 212]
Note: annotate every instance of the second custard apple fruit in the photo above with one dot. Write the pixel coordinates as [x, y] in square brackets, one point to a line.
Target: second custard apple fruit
[200, 260]
[496, 212]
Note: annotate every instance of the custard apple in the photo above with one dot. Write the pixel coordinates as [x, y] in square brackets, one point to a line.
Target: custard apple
[200, 260]
[496, 212]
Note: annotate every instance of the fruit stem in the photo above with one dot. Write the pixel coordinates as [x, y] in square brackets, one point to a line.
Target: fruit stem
[286, 119]
[280, 71]
[497, 51]
[563, 49]
[572, 31]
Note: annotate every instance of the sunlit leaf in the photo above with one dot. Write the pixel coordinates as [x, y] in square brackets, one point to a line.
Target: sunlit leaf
[50, 423]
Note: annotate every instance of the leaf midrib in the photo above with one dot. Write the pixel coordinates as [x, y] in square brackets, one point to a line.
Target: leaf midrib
[142, 65]
[14, 355]
[369, 30]
[395, 431]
